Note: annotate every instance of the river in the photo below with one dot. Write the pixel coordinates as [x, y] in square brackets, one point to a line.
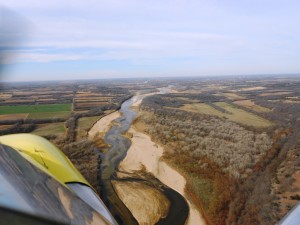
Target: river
[179, 209]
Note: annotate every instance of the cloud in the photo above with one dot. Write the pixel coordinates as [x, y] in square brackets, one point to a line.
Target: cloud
[186, 35]
[42, 58]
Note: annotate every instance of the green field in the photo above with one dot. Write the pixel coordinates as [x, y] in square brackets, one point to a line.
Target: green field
[243, 117]
[35, 108]
[236, 114]
[202, 108]
[50, 129]
[251, 105]
[85, 123]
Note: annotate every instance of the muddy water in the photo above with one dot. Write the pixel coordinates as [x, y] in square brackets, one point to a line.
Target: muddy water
[179, 209]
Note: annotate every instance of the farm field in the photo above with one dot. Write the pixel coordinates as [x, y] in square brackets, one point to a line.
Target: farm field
[203, 108]
[85, 123]
[3, 127]
[253, 88]
[266, 94]
[233, 96]
[243, 117]
[76, 104]
[49, 115]
[235, 114]
[50, 129]
[35, 108]
[18, 116]
[251, 105]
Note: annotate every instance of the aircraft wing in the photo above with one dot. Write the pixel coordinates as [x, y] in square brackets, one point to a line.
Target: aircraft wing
[29, 195]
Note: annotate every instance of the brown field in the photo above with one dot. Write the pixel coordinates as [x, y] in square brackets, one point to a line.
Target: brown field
[5, 95]
[285, 101]
[291, 101]
[36, 93]
[233, 96]
[92, 100]
[14, 116]
[100, 95]
[41, 96]
[253, 88]
[251, 105]
[89, 104]
[45, 99]
[192, 91]
[20, 100]
[47, 115]
[24, 93]
[79, 95]
[215, 87]
[3, 127]
[276, 93]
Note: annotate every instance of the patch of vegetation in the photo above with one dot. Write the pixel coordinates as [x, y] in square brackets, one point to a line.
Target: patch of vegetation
[207, 185]
[46, 115]
[85, 124]
[52, 129]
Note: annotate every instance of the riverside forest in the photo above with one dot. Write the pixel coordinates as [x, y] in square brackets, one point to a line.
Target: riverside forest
[198, 150]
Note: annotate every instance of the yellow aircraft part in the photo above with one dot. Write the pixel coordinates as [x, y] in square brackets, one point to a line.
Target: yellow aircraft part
[44, 155]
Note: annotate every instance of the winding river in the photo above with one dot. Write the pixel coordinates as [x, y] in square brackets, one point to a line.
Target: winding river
[179, 209]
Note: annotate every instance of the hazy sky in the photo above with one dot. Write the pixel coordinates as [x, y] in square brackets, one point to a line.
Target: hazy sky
[77, 39]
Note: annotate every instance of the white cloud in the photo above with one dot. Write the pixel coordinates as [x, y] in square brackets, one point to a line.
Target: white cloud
[194, 34]
[42, 58]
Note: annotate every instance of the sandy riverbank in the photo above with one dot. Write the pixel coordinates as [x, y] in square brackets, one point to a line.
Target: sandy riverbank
[137, 100]
[145, 153]
[103, 125]
[147, 204]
